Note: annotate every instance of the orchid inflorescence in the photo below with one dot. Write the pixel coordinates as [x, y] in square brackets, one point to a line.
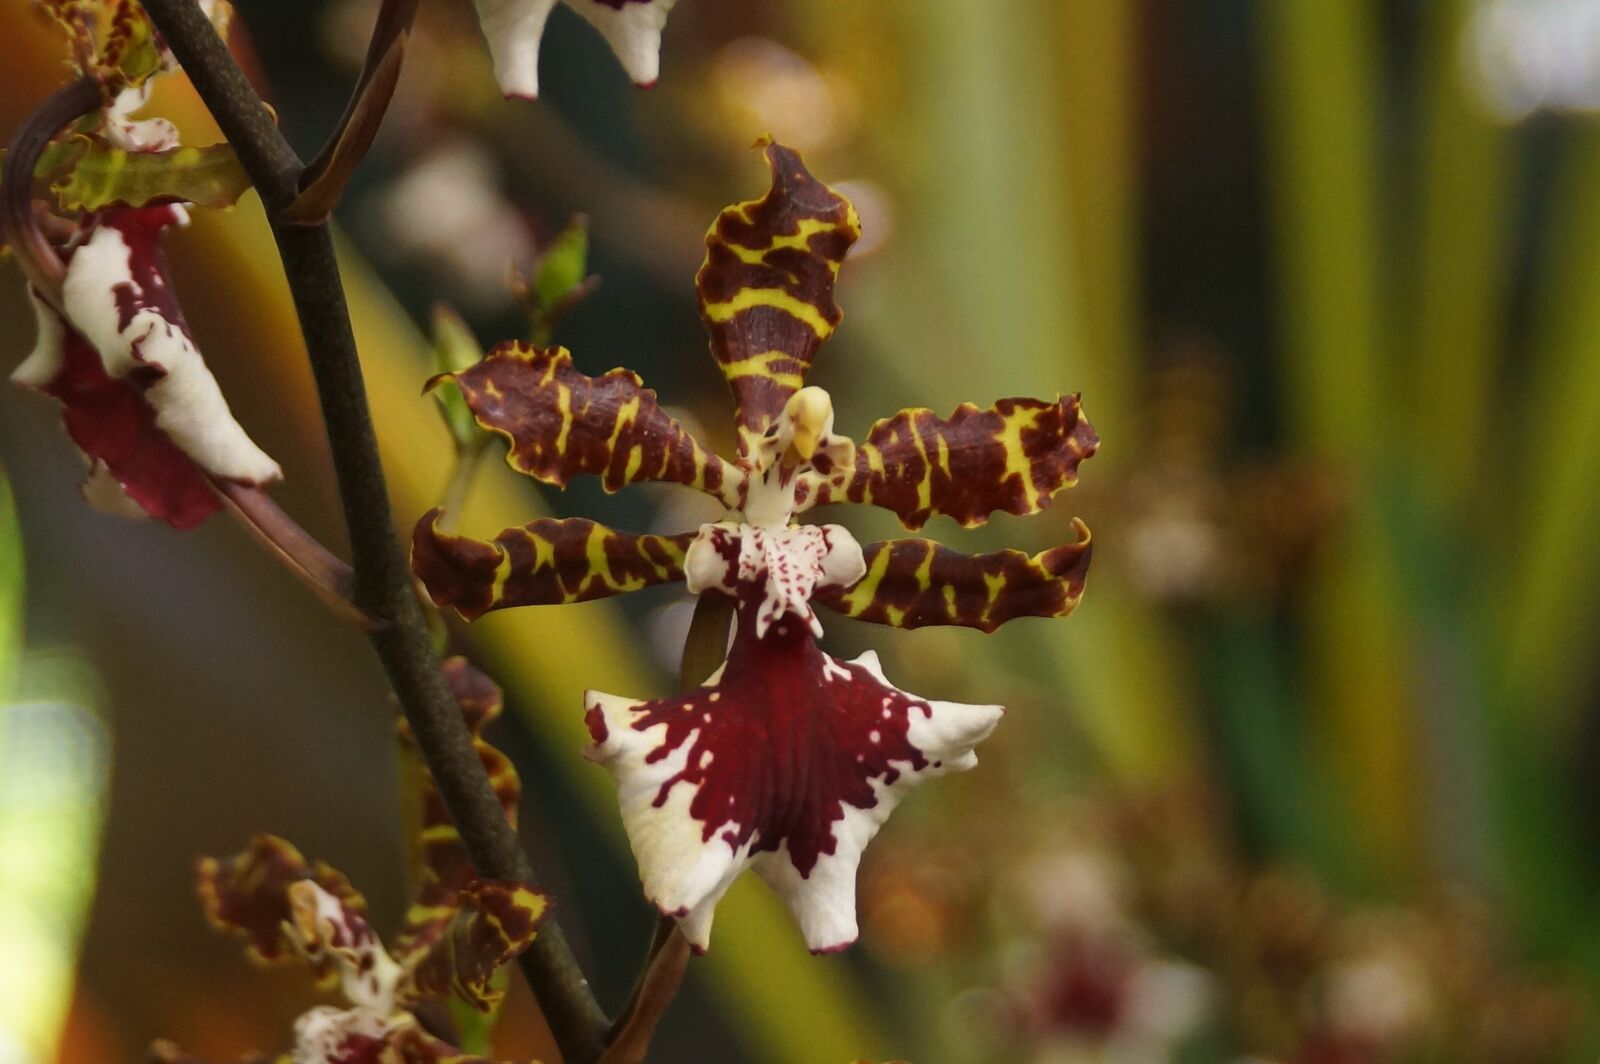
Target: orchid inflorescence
[457, 935]
[113, 346]
[787, 759]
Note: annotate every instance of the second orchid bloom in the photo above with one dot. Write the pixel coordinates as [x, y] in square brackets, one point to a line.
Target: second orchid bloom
[787, 760]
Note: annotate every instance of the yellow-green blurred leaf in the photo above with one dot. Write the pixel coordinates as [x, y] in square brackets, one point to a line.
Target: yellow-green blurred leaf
[106, 176]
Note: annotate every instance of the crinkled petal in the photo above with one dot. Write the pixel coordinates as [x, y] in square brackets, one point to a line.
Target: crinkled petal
[138, 396]
[543, 563]
[911, 583]
[439, 925]
[766, 288]
[561, 423]
[248, 895]
[331, 1036]
[493, 922]
[788, 759]
[333, 934]
[513, 29]
[1014, 457]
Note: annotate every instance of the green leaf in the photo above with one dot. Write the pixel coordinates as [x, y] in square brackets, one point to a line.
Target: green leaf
[455, 349]
[560, 277]
[106, 176]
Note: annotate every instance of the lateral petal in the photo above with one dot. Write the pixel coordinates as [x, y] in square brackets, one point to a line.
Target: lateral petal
[911, 583]
[1012, 457]
[561, 423]
[543, 563]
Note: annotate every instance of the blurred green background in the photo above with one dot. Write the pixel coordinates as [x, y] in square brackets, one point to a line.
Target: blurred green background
[1310, 776]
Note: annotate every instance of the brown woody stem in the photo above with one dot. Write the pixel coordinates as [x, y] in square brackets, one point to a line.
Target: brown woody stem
[323, 571]
[383, 585]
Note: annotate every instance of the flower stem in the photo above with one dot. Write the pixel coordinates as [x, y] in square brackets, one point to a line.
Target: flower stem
[36, 256]
[383, 586]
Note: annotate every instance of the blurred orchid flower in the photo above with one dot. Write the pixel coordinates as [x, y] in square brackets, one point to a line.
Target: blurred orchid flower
[113, 346]
[458, 933]
[786, 760]
[515, 27]
[137, 397]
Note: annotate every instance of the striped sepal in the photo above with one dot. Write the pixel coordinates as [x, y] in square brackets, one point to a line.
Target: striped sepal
[766, 288]
[912, 583]
[546, 562]
[1012, 457]
[561, 423]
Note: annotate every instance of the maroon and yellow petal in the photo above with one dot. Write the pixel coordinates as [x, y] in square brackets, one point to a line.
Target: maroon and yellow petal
[494, 921]
[544, 563]
[911, 583]
[1012, 457]
[248, 895]
[561, 423]
[446, 871]
[766, 288]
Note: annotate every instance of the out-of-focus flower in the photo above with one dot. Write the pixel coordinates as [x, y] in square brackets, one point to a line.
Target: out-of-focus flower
[787, 760]
[1526, 55]
[137, 397]
[459, 932]
[113, 346]
[448, 213]
[514, 28]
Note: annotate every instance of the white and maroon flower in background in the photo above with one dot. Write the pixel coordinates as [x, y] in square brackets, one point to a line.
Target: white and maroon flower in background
[515, 27]
[112, 344]
[786, 760]
[137, 397]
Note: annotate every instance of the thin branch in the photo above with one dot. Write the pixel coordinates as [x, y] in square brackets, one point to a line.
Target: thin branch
[665, 966]
[302, 553]
[383, 585]
[34, 252]
[326, 176]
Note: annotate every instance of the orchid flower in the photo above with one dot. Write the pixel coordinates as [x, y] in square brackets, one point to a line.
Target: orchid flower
[113, 346]
[787, 760]
[514, 28]
[458, 933]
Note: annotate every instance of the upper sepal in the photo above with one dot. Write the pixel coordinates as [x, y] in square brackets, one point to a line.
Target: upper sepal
[561, 423]
[1012, 457]
[766, 287]
[545, 562]
[911, 583]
